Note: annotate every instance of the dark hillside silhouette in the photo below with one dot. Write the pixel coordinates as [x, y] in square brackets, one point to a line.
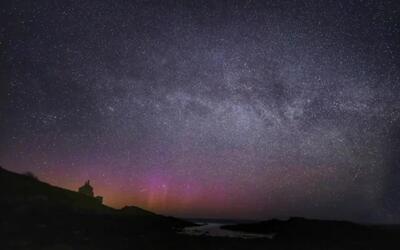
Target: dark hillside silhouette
[36, 215]
[319, 232]
[31, 209]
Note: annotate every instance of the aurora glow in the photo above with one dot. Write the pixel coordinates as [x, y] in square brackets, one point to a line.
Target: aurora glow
[241, 109]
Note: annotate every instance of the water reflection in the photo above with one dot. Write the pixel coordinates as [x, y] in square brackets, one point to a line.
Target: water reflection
[214, 229]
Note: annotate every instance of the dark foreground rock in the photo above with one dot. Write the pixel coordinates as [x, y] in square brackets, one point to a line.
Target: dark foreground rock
[324, 234]
[36, 215]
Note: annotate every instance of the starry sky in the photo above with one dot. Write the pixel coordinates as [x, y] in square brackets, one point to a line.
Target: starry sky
[227, 109]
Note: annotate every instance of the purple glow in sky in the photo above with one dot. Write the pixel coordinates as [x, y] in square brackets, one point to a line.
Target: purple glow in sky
[242, 109]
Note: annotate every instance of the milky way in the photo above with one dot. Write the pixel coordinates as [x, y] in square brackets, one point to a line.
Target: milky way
[247, 109]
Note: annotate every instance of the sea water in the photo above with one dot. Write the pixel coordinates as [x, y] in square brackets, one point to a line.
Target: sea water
[214, 229]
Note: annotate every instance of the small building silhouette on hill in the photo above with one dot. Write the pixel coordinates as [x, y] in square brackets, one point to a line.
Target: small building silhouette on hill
[87, 189]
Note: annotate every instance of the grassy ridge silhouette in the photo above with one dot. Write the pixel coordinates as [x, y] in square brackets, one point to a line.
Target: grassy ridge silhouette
[36, 215]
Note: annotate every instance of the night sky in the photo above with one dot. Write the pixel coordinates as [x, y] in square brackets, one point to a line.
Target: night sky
[230, 109]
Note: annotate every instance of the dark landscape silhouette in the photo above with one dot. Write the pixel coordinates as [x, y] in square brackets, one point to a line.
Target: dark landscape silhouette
[36, 215]
[199, 124]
